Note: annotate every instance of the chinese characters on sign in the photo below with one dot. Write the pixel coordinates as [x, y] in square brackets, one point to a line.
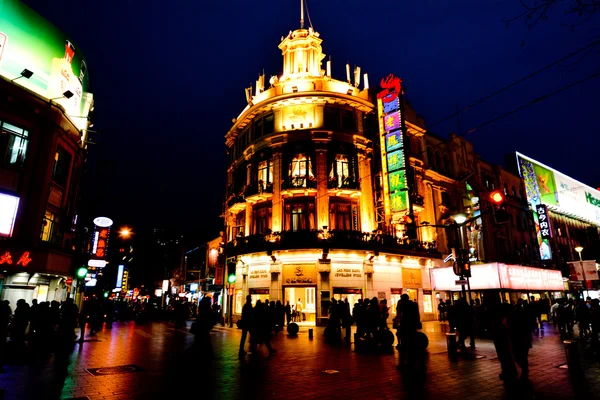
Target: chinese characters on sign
[544, 221]
[7, 258]
[299, 274]
[390, 114]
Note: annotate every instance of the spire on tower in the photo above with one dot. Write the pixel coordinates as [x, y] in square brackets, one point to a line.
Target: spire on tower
[301, 14]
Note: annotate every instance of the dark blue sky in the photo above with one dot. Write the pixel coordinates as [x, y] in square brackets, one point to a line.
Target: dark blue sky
[168, 77]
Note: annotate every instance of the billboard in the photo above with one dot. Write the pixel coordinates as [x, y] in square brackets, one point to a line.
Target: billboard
[28, 41]
[544, 185]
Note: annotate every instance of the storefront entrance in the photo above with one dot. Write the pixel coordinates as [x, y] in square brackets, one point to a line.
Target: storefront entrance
[303, 300]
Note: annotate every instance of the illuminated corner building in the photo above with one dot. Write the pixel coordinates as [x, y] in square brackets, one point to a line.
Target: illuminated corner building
[44, 106]
[300, 209]
[566, 214]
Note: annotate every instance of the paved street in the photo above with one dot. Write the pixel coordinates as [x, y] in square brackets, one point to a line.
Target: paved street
[302, 368]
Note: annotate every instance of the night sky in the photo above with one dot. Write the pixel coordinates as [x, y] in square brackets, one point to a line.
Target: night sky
[168, 77]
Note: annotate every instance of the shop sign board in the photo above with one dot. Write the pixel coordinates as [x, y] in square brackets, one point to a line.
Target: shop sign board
[412, 278]
[543, 221]
[499, 276]
[576, 269]
[17, 258]
[258, 291]
[528, 278]
[299, 274]
[346, 272]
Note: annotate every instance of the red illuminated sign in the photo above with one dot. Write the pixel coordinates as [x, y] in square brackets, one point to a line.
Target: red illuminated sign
[7, 258]
[392, 85]
[24, 260]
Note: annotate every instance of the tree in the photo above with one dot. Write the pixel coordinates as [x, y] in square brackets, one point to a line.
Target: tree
[575, 12]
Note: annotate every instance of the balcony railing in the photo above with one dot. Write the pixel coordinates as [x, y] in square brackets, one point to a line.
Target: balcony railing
[344, 183]
[235, 199]
[334, 239]
[258, 188]
[298, 182]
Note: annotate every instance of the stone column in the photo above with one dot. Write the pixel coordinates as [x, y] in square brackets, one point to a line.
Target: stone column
[367, 212]
[277, 211]
[322, 199]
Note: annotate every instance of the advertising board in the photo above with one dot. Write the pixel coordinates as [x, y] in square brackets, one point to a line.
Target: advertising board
[28, 41]
[545, 185]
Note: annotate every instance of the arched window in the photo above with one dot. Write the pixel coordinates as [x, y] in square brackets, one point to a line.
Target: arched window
[431, 158]
[438, 160]
[447, 163]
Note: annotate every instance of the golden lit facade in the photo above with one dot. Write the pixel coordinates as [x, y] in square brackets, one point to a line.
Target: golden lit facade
[301, 212]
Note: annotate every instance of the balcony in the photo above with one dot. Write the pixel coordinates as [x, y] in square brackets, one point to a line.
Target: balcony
[299, 183]
[314, 239]
[236, 203]
[258, 191]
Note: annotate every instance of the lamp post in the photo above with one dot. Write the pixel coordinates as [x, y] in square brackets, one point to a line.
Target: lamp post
[579, 249]
[459, 221]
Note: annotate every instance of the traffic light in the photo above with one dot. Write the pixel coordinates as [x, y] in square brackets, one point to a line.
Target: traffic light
[231, 272]
[465, 264]
[411, 226]
[462, 265]
[498, 200]
[456, 263]
[82, 272]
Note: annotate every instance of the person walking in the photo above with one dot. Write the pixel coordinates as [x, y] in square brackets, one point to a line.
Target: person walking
[409, 321]
[205, 322]
[246, 322]
[288, 312]
[520, 336]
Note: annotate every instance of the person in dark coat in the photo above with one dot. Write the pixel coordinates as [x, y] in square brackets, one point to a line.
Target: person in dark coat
[520, 336]
[498, 314]
[288, 312]
[246, 323]
[409, 321]
[204, 324]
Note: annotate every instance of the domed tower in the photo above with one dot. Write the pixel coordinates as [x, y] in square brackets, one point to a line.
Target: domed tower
[299, 206]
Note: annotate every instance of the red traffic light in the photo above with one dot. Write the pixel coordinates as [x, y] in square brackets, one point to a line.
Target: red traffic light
[497, 197]
[408, 219]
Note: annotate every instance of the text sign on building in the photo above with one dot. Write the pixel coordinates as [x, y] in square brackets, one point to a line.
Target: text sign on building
[392, 145]
[347, 272]
[300, 274]
[543, 221]
[412, 278]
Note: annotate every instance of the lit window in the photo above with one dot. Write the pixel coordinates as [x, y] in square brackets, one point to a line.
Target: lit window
[47, 226]
[62, 165]
[265, 172]
[13, 142]
[340, 171]
[300, 170]
[8, 213]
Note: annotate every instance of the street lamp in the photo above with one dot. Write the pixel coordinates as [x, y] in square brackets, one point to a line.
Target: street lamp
[125, 233]
[579, 249]
[459, 221]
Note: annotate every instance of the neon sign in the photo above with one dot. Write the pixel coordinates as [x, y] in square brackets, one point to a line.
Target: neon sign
[392, 85]
[392, 146]
[24, 260]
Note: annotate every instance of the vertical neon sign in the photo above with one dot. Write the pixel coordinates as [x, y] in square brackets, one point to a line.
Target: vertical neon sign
[395, 185]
